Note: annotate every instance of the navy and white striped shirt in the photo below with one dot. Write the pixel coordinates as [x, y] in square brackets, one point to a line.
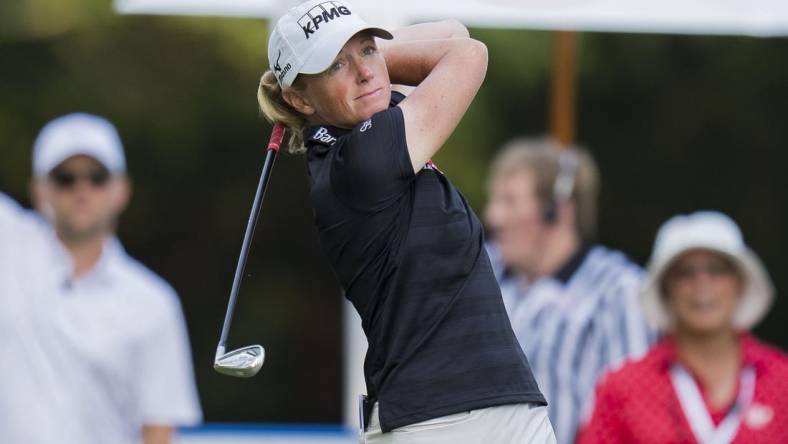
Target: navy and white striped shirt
[574, 325]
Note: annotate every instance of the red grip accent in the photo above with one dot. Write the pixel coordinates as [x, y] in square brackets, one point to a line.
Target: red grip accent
[277, 134]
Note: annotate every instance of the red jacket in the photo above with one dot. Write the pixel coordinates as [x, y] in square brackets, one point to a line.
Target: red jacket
[637, 403]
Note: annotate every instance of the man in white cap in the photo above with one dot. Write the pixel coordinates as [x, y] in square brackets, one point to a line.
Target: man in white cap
[94, 344]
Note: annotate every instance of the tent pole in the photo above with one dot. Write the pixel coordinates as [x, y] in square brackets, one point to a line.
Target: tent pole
[563, 93]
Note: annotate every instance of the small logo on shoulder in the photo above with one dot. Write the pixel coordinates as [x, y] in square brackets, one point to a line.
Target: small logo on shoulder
[430, 165]
[322, 135]
[366, 125]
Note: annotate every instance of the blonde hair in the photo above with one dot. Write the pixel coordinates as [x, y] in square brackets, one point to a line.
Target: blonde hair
[276, 109]
[541, 158]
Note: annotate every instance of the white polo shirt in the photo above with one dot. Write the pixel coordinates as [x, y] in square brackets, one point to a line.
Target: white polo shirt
[91, 360]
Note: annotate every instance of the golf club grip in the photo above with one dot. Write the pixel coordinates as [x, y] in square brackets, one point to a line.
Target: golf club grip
[277, 134]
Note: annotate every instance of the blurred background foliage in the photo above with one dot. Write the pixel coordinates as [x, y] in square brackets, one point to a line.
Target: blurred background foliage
[676, 123]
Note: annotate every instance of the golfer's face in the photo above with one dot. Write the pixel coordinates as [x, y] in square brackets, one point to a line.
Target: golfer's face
[353, 88]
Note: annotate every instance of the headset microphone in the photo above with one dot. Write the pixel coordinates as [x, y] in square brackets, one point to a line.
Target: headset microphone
[563, 186]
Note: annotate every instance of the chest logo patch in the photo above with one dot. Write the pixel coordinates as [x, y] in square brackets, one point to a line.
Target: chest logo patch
[323, 136]
[366, 125]
[758, 415]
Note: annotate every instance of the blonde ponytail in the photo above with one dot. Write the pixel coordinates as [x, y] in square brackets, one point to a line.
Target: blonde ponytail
[275, 109]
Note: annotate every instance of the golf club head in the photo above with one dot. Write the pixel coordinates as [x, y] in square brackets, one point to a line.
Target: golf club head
[243, 363]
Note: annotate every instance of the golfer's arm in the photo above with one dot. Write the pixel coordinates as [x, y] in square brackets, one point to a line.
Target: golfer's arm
[445, 29]
[448, 73]
[156, 434]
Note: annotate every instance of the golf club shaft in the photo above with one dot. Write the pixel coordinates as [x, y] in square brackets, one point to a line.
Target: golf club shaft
[273, 148]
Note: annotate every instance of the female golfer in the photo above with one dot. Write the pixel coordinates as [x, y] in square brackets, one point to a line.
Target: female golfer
[443, 365]
[709, 380]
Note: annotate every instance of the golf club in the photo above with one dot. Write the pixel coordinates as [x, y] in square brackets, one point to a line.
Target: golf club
[246, 361]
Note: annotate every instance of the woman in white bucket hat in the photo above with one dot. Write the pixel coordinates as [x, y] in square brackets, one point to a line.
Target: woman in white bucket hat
[708, 381]
[443, 365]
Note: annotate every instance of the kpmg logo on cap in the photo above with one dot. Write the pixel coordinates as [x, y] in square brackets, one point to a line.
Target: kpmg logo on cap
[321, 13]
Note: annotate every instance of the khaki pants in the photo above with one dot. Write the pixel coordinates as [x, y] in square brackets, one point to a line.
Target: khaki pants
[506, 424]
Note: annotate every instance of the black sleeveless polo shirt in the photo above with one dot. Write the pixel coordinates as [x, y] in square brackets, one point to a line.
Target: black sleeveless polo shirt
[408, 251]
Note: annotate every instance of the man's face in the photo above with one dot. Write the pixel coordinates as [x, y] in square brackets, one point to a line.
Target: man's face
[82, 198]
[514, 217]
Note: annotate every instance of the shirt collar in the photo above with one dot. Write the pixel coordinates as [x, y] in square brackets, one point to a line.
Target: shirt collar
[565, 272]
[110, 254]
[665, 353]
[101, 273]
[570, 267]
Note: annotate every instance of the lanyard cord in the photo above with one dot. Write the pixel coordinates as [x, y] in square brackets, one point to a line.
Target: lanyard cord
[697, 414]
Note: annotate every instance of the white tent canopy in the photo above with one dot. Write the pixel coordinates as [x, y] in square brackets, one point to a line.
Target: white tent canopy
[732, 17]
[380, 12]
[231, 8]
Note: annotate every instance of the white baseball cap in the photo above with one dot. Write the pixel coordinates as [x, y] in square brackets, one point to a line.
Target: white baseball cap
[308, 38]
[706, 230]
[75, 134]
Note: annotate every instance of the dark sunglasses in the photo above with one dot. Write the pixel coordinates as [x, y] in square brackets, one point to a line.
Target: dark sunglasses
[65, 179]
[714, 268]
